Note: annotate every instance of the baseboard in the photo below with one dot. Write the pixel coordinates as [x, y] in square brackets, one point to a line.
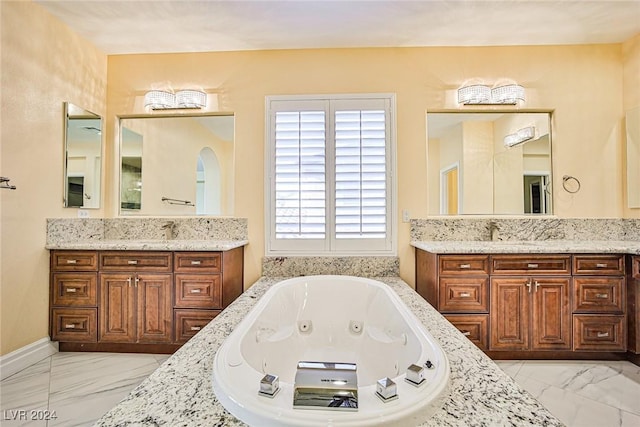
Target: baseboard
[26, 356]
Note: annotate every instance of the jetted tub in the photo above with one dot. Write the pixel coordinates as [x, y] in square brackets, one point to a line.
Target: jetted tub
[340, 319]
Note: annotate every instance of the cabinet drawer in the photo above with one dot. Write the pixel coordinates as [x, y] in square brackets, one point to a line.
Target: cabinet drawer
[474, 327]
[74, 261]
[198, 290]
[598, 264]
[190, 322]
[136, 261]
[75, 289]
[464, 294]
[527, 264]
[463, 264]
[599, 294]
[192, 262]
[598, 332]
[74, 325]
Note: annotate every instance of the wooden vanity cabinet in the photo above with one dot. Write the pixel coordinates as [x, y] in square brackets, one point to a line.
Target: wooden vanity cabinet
[633, 305]
[530, 311]
[139, 300]
[73, 296]
[599, 321]
[135, 291]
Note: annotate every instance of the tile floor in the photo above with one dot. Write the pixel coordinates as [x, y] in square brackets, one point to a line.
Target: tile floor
[80, 387]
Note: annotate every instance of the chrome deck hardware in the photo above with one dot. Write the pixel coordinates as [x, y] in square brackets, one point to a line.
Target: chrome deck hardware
[269, 385]
[415, 375]
[327, 385]
[386, 389]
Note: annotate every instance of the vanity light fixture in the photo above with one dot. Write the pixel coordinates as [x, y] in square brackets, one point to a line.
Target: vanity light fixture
[482, 94]
[183, 99]
[521, 136]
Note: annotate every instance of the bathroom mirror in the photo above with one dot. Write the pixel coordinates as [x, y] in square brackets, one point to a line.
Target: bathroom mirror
[176, 165]
[82, 157]
[633, 157]
[489, 163]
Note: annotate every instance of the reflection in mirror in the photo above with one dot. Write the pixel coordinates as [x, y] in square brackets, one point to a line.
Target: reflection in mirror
[176, 165]
[488, 163]
[633, 157]
[83, 157]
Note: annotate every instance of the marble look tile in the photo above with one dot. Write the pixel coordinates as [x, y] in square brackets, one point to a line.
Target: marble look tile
[573, 409]
[27, 390]
[510, 367]
[84, 386]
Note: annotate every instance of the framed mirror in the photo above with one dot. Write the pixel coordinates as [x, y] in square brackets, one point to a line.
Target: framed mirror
[176, 165]
[633, 157]
[489, 163]
[82, 158]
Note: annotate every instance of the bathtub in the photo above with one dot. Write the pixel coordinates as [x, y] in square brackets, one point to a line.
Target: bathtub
[340, 319]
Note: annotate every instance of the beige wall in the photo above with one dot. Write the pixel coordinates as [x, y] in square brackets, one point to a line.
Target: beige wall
[582, 84]
[631, 89]
[43, 65]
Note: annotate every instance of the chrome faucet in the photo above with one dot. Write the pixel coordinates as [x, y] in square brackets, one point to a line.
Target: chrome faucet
[493, 230]
[169, 230]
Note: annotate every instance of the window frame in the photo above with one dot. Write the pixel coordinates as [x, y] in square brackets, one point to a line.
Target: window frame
[324, 247]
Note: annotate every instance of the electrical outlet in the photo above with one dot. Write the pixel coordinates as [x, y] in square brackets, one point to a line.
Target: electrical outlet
[405, 215]
[83, 213]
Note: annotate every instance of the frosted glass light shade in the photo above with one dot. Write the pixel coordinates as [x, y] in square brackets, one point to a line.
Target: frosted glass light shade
[191, 99]
[474, 94]
[521, 136]
[508, 94]
[159, 99]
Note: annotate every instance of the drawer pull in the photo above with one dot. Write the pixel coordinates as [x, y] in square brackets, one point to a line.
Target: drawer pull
[602, 334]
[70, 326]
[195, 328]
[602, 296]
[195, 262]
[466, 333]
[465, 266]
[71, 290]
[465, 294]
[132, 262]
[195, 291]
[72, 261]
[532, 265]
[601, 265]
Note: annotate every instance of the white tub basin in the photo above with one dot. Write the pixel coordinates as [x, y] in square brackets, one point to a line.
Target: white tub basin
[329, 319]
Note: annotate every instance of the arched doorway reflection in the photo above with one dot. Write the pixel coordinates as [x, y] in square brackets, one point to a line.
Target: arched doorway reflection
[208, 185]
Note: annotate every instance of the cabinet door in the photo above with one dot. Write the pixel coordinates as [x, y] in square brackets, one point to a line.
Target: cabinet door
[551, 327]
[117, 309]
[154, 308]
[510, 308]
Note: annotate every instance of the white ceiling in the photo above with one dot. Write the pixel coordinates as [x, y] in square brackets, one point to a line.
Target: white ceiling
[143, 26]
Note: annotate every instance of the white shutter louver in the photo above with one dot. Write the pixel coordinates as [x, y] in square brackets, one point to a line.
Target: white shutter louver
[300, 175]
[360, 174]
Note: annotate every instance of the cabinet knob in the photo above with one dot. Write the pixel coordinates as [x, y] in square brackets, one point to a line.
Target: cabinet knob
[195, 328]
[466, 333]
[465, 294]
[195, 291]
[465, 266]
[72, 261]
[532, 265]
[70, 290]
[602, 334]
[132, 262]
[602, 296]
[601, 265]
[70, 326]
[195, 262]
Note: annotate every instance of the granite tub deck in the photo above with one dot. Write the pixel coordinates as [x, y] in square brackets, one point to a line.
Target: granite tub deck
[179, 392]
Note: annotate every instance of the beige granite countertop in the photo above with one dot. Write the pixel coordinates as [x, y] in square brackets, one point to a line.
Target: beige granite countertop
[529, 246]
[149, 245]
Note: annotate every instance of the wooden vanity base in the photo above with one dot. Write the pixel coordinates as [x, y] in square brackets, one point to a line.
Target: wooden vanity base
[120, 347]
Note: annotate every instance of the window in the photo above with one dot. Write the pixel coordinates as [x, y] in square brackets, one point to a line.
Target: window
[330, 187]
